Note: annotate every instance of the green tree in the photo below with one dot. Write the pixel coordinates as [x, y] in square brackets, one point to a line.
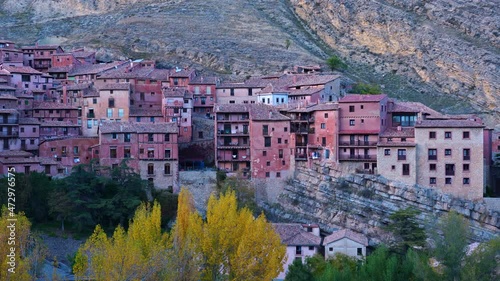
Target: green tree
[366, 89]
[298, 271]
[482, 264]
[335, 63]
[451, 243]
[406, 230]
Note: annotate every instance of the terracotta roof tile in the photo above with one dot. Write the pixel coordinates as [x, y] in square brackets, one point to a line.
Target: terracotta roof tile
[60, 69]
[29, 121]
[362, 98]
[346, 233]
[416, 107]
[293, 234]
[95, 68]
[51, 123]
[256, 112]
[52, 105]
[448, 123]
[115, 86]
[183, 73]
[15, 153]
[310, 80]
[202, 80]
[7, 97]
[404, 132]
[21, 69]
[145, 112]
[174, 92]
[121, 127]
[304, 91]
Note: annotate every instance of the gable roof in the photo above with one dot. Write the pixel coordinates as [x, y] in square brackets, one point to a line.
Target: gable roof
[448, 123]
[128, 127]
[293, 234]
[346, 233]
[362, 98]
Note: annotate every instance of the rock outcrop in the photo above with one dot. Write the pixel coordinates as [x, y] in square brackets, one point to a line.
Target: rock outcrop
[325, 195]
[451, 46]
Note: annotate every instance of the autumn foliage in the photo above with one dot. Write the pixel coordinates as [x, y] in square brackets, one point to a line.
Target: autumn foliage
[230, 244]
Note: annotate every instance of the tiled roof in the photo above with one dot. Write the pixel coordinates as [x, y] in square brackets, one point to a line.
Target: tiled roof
[310, 80]
[448, 123]
[51, 123]
[231, 108]
[305, 91]
[21, 69]
[80, 86]
[2, 80]
[29, 121]
[137, 72]
[60, 69]
[256, 111]
[15, 153]
[127, 127]
[48, 161]
[400, 106]
[174, 92]
[293, 234]
[145, 112]
[19, 160]
[202, 80]
[324, 106]
[362, 98]
[115, 86]
[52, 105]
[8, 110]
[394, 132]
[41, 47]
[82, 54]
[94, 68]
[396, 144]
[346, 233]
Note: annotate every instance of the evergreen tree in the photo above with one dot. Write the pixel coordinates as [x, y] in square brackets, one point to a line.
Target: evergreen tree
[298, 271]
[406, 230]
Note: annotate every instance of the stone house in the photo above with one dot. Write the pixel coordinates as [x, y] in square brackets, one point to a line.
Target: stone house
[301, 240]
[177, 107]
[40, 56]
[9, 54]
[203, 90]
[345, 242]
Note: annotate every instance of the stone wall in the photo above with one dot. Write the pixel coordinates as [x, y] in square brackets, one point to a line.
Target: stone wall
[327, 195]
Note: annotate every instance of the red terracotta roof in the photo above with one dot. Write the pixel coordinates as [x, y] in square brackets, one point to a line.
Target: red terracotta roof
[412, 107]
[174, 92]
[202, 80]
[257, 111]
[29, 121]
[405, 132]
[95, 68]
[182, 74]
[293, 234]
[307, 91]
[145, 112]
[50, 123]
[115, 86]
[21, 69]
[346, 233]
[15, 153]
[52, 105]
[311, 80]
[7, 97]
[127, 127]
[448, 123]
[362, 98]
[60, 69]
[41, 47]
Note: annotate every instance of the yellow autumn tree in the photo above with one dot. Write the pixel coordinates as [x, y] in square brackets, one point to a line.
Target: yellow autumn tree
[27, 255]
[238, 246]
[185, 254]
[136, 254]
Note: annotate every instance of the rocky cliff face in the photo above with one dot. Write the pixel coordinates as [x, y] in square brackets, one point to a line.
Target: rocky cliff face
[450, 45]
[328, 196]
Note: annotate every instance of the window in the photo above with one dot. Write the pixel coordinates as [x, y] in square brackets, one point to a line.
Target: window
[323, 141]
[166, 169]
[278, 174]
[298, 250]
[403, 139]
[330, 249]
[151, 169]
[387, 151]
[200, 134]
[279, 140]
[466, 181]
[351, 122]
[466, 154]
[432, 135]
[401, 154]
[141, 150]
[432, 154]
[466, 135]
[114, 136]
[465, 167]
[360, 251]
[268, 174]
[267, 141]
[432, 167]
[393, 167]
[111, 102]
[280, 153]
[34, 130]
[120, 112]
[286, 130]
[283, 162]
[268, 163]
[176, 110]
[249, 91]
[264, 153]
[22, 129]
[447, 180]
[126, 152]
[326, 115]
[447, 135]
[265, 130]
[110, 113]
[311, 248]
[432, 180]
[150, 137]
[167, 154]
[447, 152]
[323, 126]
[151, 153]
[167, 137]
[126, 137]
[112, 152]
[231, 91]
[351, 108]
[450, 169]
[406, 169]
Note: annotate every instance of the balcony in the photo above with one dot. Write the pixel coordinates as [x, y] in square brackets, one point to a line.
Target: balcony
[358, 143]
[225, 132]
[365, 157]
[432, 157]
[9, 121]
[301, 157]
[91, 115]
[450, 172]
[9, 134]
[304, 144]
[232, 145]
[466, 157]
[401, 157]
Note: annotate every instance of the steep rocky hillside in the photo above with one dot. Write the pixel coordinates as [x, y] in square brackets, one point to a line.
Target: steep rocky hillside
[425, 50]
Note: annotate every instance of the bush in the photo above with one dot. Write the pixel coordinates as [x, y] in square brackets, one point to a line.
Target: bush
[335, 63]
[366, 89]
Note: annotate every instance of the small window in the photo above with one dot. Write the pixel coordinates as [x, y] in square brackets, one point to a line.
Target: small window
[447, 180]
[351, 108]
[311, 248]
[447, 152]
[150, 137]
[323, 126]
[387, 151]
[166, 169]
[406, 169]
[466, 135]
[267, 141]
[298, 250]
[432, 180]
[268, 163]
[447, 135]
[432, 135]
[393, 167]
[466, 181]
[167, 137]
[279, 140]
[264, 153]
[114, 136]
[330, 249]
[285, 129]
[278, 174]
[351, 122]
[465, 167]
[360, 250]
[326, 115]
[432, 167]
[151, 169]
[268, 174]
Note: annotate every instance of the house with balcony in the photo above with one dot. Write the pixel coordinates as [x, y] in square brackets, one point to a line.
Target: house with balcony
[40, 56]
[55, 129]
[9, 54]
[27, 79]
[253, 141]
[204, 97]
[177, 107]
[53, 111]
[301, 240]
[150, 149]
[361, 119]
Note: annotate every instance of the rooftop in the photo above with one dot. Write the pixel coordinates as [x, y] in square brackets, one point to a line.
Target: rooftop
[145, 112]
[51, 123]
[346, 233]
[202, 80]
[405, 132]
[29, 121]
[310, 80]
[21, 69]
[94, 68]
[52, 105]
[448, 123]
[362, 98]
[127, 127]
[412, 107]
[293, 234]
[184, 73]
[15, 153]
[256, 111]
[115, 86]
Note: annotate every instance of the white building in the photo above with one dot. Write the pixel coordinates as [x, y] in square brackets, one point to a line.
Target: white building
[346, 242]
